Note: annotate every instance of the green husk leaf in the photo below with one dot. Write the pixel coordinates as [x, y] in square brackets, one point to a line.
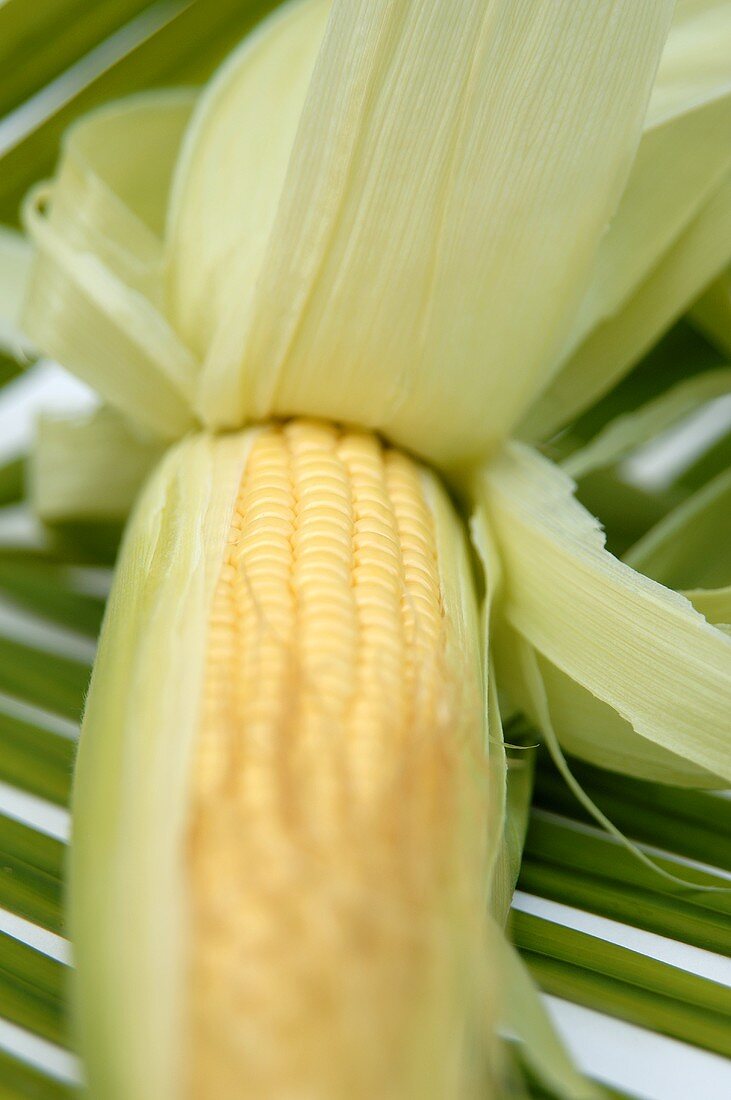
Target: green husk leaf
[711, 461]
[545, 937]
[525, 1015]
[625, 510]
[713, 603]
[15, 266]
[95, 542]
[681, 354]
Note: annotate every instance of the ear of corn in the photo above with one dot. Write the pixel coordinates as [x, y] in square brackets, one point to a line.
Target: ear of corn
[280, 798]
[280, 853]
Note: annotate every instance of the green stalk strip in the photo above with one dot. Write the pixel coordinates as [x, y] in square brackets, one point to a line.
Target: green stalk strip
[31, 870]
[19, 1081]
[681, 803]
[567, 844]
[43, 586]
[640, 820]
[594, 872]
[626, 984]
[641, 909]
[588, 952]
[35, 759]
[635, 1006]
[32, 990]
[42, 678]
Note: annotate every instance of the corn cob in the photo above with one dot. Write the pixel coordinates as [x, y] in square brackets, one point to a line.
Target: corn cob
[295, 859]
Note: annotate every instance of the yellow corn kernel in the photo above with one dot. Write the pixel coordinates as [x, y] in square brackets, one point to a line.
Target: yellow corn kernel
[331, 841]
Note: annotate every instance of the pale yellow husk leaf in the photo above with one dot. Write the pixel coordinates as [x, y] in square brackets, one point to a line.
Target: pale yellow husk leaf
[89, 467]
[423, 226]
[678, 168]
[127, 900]
[95, 297]
[221, 211]
[640, 648]
[609, 352]
[124, 198]
[695, 67]
[584, 725]
[16, 256]
[265, 83]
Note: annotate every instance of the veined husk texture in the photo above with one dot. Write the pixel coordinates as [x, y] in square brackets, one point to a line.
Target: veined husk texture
[279, 864]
